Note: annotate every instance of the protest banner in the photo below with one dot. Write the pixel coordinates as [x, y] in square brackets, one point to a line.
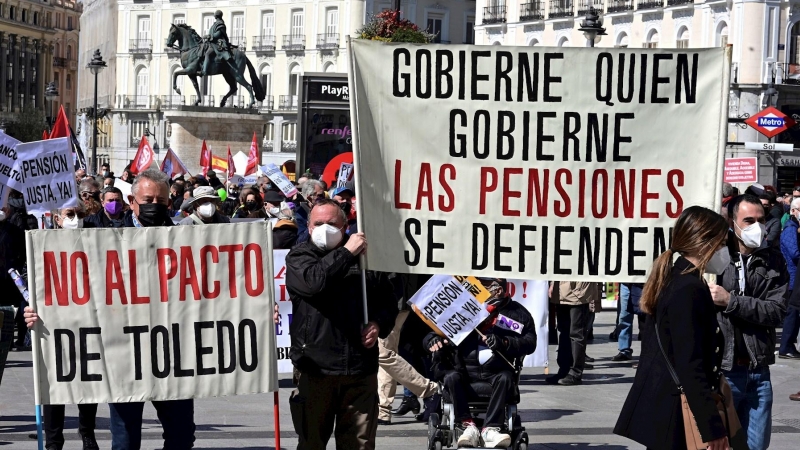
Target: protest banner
[241, 181]
[345, 175]
[276, 175]
[451, 305]
[46, 175]
[8, 159]
[533, 296]
[140, 314]
[529, 167]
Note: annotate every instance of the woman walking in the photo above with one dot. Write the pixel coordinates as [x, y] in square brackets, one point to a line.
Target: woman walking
[681, 319]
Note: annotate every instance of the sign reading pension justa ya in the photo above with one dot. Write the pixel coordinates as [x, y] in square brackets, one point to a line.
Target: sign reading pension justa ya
[141, 314]
[568, 163]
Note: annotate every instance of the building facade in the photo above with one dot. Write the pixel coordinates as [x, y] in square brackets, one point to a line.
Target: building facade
[764, 36]
[283, 39]
[34, 40]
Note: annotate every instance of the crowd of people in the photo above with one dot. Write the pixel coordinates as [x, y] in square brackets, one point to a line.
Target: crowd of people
[707, 318]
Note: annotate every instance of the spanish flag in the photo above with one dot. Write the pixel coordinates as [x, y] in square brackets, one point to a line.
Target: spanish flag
[219, 163]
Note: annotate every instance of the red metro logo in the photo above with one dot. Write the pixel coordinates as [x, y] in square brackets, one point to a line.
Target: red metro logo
[770, 122]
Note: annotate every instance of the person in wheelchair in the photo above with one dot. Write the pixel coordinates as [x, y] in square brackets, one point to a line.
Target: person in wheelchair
[486, 355]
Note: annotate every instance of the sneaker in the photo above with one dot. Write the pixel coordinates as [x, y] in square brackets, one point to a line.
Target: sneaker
[470, 438]
[381, 422]
[795, 397]
[409, 405]
[89, 442]
[792, 355]
[621, 356]
[589, 359]
[588, 367]
[570, 380]
[493, 438]
[553, 379]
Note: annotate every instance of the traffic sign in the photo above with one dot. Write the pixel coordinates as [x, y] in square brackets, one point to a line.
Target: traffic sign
[768, 147]
[770, 122]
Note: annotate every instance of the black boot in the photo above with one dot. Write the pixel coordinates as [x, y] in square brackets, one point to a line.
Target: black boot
[433, 404]
[89, 442]
[409, 404]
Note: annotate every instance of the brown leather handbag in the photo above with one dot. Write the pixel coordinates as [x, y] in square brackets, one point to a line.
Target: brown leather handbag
[723, 398]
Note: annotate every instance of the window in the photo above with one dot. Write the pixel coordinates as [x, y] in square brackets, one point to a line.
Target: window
[563, 42]
[332, 21]
[69, 52]
[533, 43]
[36, 18]
[237, 29]
[294, 80]
[179, 19]
[329, 67]
[12, 13]
[268, 24]
[289, 132]
[56, 80]
[469, 31]
[69, 82]
[25, 16]
[683, 38]
[297, 23]
[622, 41]
[69, 23]
[142, 86]
[57, 50]
[144, 28]
[722, 35]
[266, 79]
[434, 26]
[652, 40]
[771, 28]
[208, 20]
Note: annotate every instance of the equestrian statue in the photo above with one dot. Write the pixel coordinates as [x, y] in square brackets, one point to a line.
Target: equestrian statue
[213, 55]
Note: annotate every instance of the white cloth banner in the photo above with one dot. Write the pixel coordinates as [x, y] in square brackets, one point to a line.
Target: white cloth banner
[47, 175]
[140, 314]
[533, 296]
[528, 163]
[9, 173]
[280, 179]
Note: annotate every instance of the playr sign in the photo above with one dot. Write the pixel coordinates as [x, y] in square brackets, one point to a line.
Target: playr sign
[328, 91]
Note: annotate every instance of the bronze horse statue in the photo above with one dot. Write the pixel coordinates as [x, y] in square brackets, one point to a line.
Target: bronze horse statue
[192, 48]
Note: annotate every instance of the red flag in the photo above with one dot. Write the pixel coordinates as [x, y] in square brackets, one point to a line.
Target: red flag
[172, 165]
[144, 157]
[61, 127]
[205, 158]
[45, 136]
[252, 158]
[231, 165]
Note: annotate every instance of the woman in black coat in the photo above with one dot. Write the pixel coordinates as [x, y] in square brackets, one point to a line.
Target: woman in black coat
[678, 302]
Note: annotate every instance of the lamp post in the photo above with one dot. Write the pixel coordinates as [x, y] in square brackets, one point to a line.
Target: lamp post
[51, 94]
[95, 65]
[592, 26]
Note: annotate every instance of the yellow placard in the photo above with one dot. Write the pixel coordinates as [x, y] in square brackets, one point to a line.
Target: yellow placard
[474, 287]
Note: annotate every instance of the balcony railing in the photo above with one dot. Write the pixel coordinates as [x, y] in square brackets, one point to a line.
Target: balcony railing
[563, 8]
[293, 42]
[529, 12]
[288, 146]
[494, 14]
[616, 6]
[136, 102]
[264, 43]
[237, 101]
[59, 62]
[287, 102]
[679, 2]
[328, 41]
[208, 100]
[172, 101]
[268, 104]
[650, 4]
[172, 51]
[141, 46]
[239, 41]
[585, 5]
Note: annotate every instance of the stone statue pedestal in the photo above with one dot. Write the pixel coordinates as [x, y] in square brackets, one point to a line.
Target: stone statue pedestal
[220, 127]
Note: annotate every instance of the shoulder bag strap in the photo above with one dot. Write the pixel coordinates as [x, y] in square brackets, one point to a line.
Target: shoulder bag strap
[669, 364]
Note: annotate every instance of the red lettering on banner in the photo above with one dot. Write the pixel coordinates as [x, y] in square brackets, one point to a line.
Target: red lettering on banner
[449, 197]
[252, 289]
[231, 251]
[624, 193]
[188, 276]
[598, 188]
[486, 188]
[675, 180]
[136, 299]
[73, 267]
[204, 252]
[282, 294]
[541, 189]
[281, 273]
[582, 194]
[114, 280]
[562, 211]
[397, 170]
[647, 195]
[508, 193]
[165, 274]
[424, 189]
[51, 279]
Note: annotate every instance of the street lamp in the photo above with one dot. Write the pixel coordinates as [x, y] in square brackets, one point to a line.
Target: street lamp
[51, 94]
[95, 65]
[592, 26]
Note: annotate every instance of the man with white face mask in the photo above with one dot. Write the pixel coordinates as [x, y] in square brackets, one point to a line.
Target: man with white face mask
[334, 352]
[751, 298]
[205, 202]
[71, 218]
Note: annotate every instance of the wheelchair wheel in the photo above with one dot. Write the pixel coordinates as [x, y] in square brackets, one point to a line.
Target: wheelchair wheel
[434, 434]
[522, 446]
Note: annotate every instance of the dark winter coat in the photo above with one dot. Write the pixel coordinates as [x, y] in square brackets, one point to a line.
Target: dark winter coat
[284, 235]
[101, 220]
[12, 256]
[692, 340]
[327, 303]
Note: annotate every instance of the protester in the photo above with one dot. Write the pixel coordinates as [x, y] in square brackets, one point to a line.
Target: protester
[229, 205]
[313, 190]
[251, 205]
[794, 302]
[18, 213]
[333, 351]
[751, 300]
[127, 176]
[791, 254]
[80, 174]
[272, 204]
[199, 181]
[113, 210]
[682, 332]
[205, 205]
[12, 256]
[573, 311]
[345, 197]
[108, 182]
[487, 358]
[284, 231]
[624, 324]
[176, 192]
[186, 208]
[728, 192]
[773, 224]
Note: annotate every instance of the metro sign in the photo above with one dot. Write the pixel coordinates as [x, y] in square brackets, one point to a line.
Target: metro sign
[770, 122]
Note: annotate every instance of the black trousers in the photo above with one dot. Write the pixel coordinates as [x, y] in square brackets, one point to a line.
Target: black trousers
[572, 324]
[54, 422]
[458, 386]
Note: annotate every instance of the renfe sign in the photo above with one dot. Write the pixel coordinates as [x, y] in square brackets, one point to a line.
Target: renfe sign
[741, 170]
[770, 122]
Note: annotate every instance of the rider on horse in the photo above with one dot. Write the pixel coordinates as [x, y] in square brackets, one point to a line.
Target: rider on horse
[218, 44]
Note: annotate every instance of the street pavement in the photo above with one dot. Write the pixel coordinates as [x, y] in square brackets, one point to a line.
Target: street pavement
[556, 417]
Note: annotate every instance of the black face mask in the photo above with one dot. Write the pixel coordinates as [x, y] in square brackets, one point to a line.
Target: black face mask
[346, 207]
[152, 214]
[252, 206]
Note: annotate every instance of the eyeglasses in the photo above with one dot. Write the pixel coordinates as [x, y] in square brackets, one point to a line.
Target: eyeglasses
[72, 214]
[88, 194]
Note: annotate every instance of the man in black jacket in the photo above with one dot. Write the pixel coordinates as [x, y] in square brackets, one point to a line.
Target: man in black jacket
[12, 256]
[508, 333]
[333, 351]
[112, 213]
[751, 300]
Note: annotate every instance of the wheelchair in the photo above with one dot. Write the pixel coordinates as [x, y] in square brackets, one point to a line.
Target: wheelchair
[442, 428]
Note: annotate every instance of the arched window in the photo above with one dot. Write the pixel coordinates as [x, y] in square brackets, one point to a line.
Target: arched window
[722, 35]
[652, 39]
[142, 87]
[266, 80]
[563, 42]
[329, 67]
[794, 44]
[57, 50]
[294, 79]
[622, 40]
[682, 38]
[533, 43]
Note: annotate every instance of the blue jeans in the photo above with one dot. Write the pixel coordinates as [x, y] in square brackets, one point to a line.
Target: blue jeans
[791, 326]
[177, 420]
[625, 325]
[752, 397]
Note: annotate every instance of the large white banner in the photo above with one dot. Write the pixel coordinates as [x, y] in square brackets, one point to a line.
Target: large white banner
[533, 296]
[138, 314]
[528, 163]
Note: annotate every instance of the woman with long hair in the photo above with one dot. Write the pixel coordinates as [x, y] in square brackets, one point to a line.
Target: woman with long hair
[682, 316]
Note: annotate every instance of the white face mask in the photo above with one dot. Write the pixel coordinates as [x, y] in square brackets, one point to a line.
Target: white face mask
[71, 224]
[326, 237]
[2, 215]
[718, 262]
[797, 216]
[206, 210]
[752, 235]
[274, 211]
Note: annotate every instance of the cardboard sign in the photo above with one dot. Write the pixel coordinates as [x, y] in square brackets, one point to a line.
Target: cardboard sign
[512, 163]
[280, 179]
[141, 314]
[125, 188]
[46, 175]
[9, 174]
[451, 306]
[345, 174]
